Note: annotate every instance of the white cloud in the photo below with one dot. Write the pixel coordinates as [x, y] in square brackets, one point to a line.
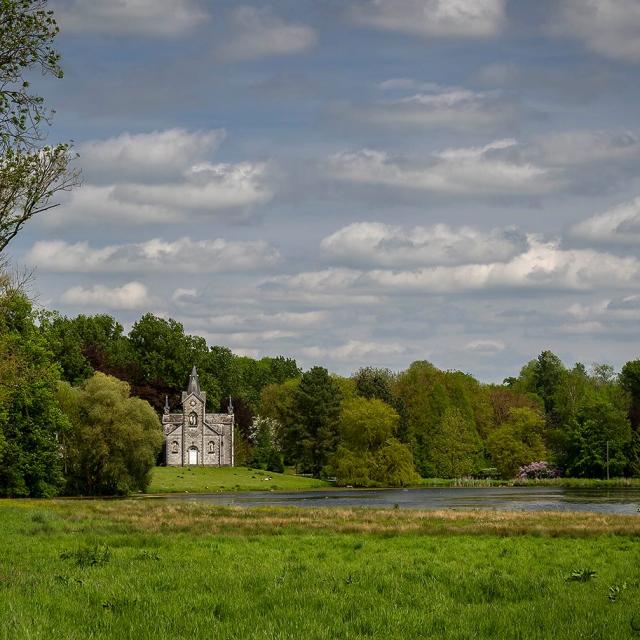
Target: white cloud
[393, 246]
[205, 187]
[183, 255]
[486, 347]
[258, 33]
[608, 27]
[440, 107]
[161, 177]
[90, 204]
[149, 18]
[581, 328]
[544, 266]
[604, 312]
[434, 18]
[280, 320]
[133, 295]
[620, 225]
[247, 339]
[355, 350]
[581, 147]
[491, 169]
[185, 296]
[157, 155]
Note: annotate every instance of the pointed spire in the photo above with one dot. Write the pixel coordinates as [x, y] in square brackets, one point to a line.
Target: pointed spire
[230, 407]
[194, 383]
[166, 404]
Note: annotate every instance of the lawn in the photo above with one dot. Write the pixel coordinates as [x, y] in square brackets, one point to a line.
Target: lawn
[150, 569]
[217, 479]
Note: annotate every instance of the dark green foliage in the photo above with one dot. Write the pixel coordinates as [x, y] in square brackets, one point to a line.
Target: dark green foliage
[548, 375]
[88, 556]
[581, 575]
[266, 453]
[630, 382]
[164, 353]
[375, 383]
[30, 419]
[597, 422]
[277, 401]
[85, 344]
[317, 409]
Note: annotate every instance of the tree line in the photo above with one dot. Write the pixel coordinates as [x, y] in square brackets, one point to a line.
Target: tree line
[80, 401]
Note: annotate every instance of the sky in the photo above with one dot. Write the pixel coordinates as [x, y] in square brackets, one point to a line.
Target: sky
[352, 182]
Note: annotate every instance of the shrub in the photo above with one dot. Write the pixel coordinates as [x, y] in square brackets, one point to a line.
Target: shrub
[537, 471]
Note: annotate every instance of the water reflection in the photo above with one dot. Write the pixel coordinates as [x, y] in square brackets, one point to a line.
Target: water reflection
[509, 498]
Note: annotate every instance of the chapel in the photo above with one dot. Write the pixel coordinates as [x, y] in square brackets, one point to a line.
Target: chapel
[195, 437]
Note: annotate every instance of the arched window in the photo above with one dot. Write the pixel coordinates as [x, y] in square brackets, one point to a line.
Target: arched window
[174, 446]
[212, 447]
[193, 419]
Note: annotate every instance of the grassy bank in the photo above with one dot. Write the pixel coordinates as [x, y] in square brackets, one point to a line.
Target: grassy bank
[150, 569]
[571, 483]
[212, 480]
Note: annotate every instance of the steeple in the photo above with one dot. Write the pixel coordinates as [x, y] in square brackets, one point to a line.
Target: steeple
[166, 405]
[194, 383]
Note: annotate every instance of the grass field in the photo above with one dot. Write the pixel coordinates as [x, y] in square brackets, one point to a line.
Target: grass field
[138, 569]
[212, 479]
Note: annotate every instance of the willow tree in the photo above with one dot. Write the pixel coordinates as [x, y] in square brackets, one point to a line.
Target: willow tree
[31, 175]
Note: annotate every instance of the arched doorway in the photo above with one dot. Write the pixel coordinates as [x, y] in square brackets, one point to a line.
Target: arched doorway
[193, 456]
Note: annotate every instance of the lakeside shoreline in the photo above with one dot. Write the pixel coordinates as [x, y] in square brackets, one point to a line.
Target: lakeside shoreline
[212, 480]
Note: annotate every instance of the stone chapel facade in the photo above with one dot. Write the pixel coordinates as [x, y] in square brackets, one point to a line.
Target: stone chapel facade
[194, 437]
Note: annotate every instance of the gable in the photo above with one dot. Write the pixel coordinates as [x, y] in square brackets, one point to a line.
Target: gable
[192, 402]
[215, 428]
[171, 428]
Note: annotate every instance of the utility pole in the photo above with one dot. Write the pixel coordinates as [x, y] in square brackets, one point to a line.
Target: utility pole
[607, 459]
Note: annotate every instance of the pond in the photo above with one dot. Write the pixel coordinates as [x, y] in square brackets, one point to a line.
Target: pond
[619, 500]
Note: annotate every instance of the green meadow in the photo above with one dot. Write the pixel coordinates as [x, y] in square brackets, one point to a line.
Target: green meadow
[221, 479]
[140, 569]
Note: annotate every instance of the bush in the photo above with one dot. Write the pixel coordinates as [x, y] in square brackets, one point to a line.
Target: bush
[113, 441]
[538, 471]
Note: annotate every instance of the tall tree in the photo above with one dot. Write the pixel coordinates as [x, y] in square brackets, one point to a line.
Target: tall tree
[317, 406]
[31, 422]
[548, 373]
[630, 382]
[517, 442]
[369, 454]
[30, 175]
[456, 448]
[375, 383]
[166, 355]
[600, 427]
[113, 441]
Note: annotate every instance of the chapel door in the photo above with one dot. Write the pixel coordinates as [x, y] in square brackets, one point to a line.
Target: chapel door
[193, 456]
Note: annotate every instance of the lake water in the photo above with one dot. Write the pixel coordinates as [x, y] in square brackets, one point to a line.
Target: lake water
[509, 498]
